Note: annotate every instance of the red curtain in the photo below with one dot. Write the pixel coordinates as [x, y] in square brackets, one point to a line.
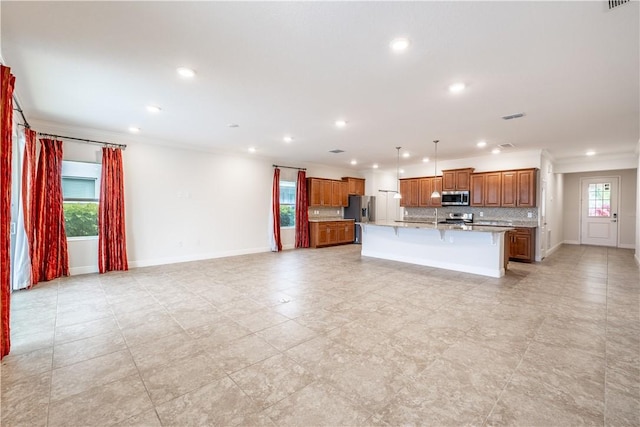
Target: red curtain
[50, 252]
[29, 191]
[275, 210]
[112, 238]
[302, 211]
[7, 82]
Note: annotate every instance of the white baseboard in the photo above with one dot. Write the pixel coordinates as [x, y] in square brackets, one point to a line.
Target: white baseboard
[571, 242]
[195, 257]
[87, 269]
[554, 248]
[627, 246]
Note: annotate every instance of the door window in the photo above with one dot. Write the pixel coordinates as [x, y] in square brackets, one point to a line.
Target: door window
[600, 200]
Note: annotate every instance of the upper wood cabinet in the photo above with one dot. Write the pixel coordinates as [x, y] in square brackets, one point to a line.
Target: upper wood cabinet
[515, 188]
[326, 192]
[519, 188]
[355, 185]
[476, 192]
[426, 187]
[345, 193]
[527, 188]
[492, 189]
[336, 193]
[456, 179]
[410, 192]
[485, 189]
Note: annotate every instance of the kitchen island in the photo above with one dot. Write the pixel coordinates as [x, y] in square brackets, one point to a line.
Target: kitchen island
[476, 249]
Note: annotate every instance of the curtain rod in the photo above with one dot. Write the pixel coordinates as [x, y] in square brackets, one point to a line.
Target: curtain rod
[289, 167]
[86, 141]
[18, 108]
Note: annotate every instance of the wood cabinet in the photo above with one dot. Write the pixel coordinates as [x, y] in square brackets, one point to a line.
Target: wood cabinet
[476, 191]
[426, 186]
[515, 188]
[355, 185]
[485, 189]
[521, 244]
[336, 193]
[327, 192]
[330, 233]
[456, 179]
[519, 188]
[345, 194]
[410, 192]
[492, 189]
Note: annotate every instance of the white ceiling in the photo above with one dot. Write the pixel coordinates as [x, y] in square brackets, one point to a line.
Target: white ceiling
[279, 68]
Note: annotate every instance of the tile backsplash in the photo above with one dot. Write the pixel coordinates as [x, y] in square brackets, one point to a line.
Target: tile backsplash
[325, 212]
[513, 214]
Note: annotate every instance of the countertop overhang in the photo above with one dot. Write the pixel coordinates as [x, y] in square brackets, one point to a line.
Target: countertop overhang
[440, 227]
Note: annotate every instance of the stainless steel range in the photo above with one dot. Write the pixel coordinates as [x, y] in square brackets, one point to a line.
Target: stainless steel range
[458, 218]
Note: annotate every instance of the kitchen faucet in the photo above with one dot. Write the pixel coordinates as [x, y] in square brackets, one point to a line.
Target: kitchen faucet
[435, 221]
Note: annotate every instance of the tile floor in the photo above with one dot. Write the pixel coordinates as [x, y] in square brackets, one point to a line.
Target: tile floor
[325, 337]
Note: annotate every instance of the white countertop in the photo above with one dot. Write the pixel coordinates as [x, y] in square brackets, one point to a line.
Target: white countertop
[440, 227]
[485, 222]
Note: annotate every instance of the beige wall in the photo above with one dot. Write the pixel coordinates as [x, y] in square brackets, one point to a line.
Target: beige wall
[626, 211]
[638, 206]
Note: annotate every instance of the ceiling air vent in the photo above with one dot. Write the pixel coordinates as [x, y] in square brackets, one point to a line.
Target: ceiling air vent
[615, 3]
[505, 146]
[513, 116]
[337, 151]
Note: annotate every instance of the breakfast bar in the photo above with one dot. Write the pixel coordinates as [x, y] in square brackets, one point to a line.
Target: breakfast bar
[473, 249]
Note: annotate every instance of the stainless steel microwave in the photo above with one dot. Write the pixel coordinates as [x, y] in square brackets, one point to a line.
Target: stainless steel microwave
[455, 198]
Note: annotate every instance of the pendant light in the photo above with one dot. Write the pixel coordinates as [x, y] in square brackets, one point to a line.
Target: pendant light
[398, 195]
[435, 194]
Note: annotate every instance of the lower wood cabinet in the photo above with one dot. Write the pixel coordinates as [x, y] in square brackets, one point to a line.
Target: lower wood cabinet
[330, 233]
[521, 244]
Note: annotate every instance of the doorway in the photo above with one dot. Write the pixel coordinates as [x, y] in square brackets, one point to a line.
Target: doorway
[599, 211]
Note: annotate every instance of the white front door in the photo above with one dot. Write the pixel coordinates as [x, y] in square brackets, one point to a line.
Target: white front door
[599, 211]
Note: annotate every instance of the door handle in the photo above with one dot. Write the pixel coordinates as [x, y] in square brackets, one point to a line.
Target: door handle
[614, 220]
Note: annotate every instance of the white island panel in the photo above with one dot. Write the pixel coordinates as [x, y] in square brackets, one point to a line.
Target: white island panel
[469, 250]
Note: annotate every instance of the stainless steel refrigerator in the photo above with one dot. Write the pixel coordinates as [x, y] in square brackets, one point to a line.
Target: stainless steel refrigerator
[362, 209]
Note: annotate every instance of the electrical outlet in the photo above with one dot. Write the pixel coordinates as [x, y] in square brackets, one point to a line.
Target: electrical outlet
[529, 214]
[481, 214]
[338, 212]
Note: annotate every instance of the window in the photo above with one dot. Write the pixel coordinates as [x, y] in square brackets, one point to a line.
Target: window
[600, 200]
[287, 204]
[80, 191]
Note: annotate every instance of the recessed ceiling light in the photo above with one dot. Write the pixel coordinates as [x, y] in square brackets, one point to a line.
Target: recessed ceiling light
[375, 166]
[341, 123]
[153, 109]
[233, 125]
[185, 72]
[406, 155]
[354, 162]
[482, 144]
[134, 129]
[496, 151]
[457, 87]
[288, 138]
[401, 171]
[400, 44]
[425, 159]
[590, 153]
[252, 149]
